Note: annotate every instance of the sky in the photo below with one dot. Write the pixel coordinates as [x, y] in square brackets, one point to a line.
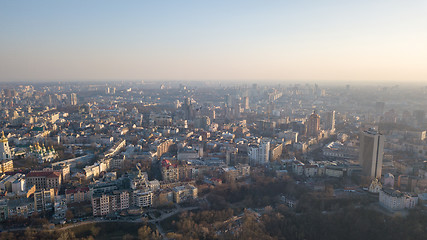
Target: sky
[224, 40]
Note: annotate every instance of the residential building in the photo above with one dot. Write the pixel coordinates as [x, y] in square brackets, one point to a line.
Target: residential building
[298, 167]
[60, 207]
[77, 195]
[237, 172]
[142, 198]
[44, 200]
[184, 193]
[397, 200]
[110, 202]
[44, 179]
[276, 152]
[170, 172]
[4, 210]
[259, 154]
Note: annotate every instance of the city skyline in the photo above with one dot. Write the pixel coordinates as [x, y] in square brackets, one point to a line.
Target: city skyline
[250, 41]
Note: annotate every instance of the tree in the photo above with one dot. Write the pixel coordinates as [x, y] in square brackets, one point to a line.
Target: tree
[95, 230]
[30, 234]
[155, 235]
[7, 236]
[69, 215]
[144, 232]
[128, 237]
[67, 235]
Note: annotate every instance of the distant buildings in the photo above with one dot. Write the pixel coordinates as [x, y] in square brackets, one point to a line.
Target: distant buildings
[330, 121]
[73, 99]
[379, 107]
[371, 153]
[219, 136]
[419, 116]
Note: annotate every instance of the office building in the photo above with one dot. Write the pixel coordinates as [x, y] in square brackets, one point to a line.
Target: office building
[371, 153]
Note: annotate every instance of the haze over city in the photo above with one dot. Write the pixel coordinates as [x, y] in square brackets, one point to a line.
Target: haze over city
[214, 120]
[278, 41]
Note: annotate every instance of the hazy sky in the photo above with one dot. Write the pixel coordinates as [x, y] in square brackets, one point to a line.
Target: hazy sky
[214, 40]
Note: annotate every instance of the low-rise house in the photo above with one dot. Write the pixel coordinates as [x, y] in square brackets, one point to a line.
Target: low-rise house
[77, 195]
[184, 193]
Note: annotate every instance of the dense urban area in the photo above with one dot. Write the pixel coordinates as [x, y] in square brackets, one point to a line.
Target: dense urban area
[200, 160]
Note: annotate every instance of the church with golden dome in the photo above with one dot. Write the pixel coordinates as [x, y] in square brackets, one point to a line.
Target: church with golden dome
[42, 153]
[6, 162]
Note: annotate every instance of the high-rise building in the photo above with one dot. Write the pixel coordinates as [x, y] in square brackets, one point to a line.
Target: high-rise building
[330, 121]
[419, 116]
[228, 100]
[313, 125]
[379, 107]
[44, 199]
[259, 154]
[246, 103]
[73, 99]
[371, 153]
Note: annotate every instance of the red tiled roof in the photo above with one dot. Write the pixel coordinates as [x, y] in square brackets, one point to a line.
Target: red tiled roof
[44, 174]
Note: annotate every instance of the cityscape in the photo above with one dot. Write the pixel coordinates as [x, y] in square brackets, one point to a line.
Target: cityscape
[186, 120]
[198, 161]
